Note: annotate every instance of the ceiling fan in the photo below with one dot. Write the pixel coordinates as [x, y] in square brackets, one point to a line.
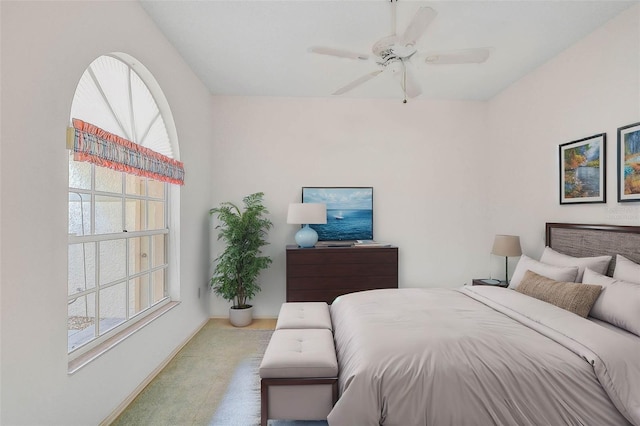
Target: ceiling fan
[395, 52]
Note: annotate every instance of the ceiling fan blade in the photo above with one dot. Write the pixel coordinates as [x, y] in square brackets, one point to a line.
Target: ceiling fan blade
[463, 56]
[403, 73]
[412, 87]
[338, 52]
[357, 82]
[418, 25]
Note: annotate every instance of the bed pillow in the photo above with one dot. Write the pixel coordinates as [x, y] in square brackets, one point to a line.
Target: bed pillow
[619, 302]
[574, 297]
[558, 273]
[599, 264]
[626, 270]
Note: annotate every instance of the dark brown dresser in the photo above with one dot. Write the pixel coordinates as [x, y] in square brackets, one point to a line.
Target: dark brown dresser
[324, 273]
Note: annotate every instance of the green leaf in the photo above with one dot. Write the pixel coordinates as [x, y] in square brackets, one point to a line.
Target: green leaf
[244, 232]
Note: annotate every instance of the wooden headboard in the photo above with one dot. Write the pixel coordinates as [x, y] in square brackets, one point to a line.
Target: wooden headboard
[582, 240]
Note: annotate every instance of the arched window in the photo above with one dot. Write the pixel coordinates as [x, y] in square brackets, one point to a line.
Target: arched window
[119, 223]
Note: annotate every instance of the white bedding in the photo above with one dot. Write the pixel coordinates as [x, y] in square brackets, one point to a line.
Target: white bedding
[478, 356]
[613, 328]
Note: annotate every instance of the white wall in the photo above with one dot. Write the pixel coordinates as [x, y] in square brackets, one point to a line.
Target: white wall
[593, 87]
[424, 160]
[45, 48]
[447, 176]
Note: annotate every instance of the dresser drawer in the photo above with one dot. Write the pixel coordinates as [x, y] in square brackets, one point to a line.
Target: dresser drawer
[322, 274]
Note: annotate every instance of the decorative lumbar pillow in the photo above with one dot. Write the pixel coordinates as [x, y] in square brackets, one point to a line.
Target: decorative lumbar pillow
[626, 270]
[599, 264]
[574, 297]
[619, 302]
[558, 273]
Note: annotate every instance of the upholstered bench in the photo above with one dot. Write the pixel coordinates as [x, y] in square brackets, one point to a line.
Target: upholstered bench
[304, 315]
[298, 375]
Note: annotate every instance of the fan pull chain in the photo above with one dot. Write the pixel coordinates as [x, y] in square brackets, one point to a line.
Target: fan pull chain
[404, 82]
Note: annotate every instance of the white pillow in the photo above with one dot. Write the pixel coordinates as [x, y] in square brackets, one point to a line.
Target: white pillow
[558, 273]
[619, 302]
[626, 270]
[599, 264]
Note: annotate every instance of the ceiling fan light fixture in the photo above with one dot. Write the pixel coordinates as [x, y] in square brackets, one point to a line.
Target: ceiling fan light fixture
[395, 66]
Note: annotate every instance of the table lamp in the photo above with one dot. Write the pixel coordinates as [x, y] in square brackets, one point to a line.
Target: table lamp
[507, 246]
[307, 214]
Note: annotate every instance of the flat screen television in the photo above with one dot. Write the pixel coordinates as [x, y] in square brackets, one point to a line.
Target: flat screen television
[349, 212]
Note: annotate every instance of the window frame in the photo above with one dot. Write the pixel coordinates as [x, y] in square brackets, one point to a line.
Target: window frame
[92, 237]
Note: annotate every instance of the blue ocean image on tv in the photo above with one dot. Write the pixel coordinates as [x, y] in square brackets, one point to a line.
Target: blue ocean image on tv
[349, 212]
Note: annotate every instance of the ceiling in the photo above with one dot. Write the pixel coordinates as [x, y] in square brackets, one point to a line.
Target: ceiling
[261, 48]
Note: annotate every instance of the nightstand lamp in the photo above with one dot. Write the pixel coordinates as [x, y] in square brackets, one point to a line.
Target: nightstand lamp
[307, 214]
[507, 246]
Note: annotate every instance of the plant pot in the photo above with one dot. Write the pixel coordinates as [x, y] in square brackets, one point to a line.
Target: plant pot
[241, 317]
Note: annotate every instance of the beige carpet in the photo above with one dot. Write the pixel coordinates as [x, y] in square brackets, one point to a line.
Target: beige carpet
[190, 388]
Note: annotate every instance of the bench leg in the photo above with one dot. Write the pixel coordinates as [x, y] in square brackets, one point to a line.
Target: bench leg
[264, 403]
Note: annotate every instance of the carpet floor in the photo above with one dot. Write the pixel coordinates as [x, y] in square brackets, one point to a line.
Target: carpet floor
[212, 381]
[190, 388]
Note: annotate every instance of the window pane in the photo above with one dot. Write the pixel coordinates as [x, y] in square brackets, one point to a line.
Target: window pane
[159, 250]
[113, 77]
[135, 185]
[156, 215]
[159, 286]
[89, 105]
[113, 307]
[108, 180]
[79, 213]
[138, 255]
[108, 214]
[156, 188]
[81, 320]
[158, 139]
[79, 173]
[135, 214]
[113, 259]
[82, 267]
[138, 295]
[145, 107]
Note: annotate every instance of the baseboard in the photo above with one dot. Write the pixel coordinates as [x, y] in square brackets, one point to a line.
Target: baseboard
[124, 404]
[258, 318]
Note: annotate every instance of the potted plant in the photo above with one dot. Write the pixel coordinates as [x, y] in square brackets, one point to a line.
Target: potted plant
[235, 276]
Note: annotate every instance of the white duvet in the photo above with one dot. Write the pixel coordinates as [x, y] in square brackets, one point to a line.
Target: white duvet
[478, 356]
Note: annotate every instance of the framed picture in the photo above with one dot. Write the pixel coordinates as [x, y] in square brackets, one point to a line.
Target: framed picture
[349, 212]
[582, 170]
[629, 163]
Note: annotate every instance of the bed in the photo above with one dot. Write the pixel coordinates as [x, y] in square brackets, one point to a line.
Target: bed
[484, 355]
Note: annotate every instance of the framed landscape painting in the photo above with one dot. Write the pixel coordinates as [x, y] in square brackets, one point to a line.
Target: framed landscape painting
[582, 170]
[629, 163]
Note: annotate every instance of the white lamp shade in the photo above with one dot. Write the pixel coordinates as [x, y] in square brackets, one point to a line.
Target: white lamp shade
[307, 213]
[506, 245]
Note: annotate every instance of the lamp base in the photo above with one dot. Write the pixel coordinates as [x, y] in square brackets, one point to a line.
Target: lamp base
[306, 237]
[506, 269]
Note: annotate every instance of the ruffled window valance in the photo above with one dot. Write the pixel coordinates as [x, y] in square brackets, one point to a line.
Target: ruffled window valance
[95, 145]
